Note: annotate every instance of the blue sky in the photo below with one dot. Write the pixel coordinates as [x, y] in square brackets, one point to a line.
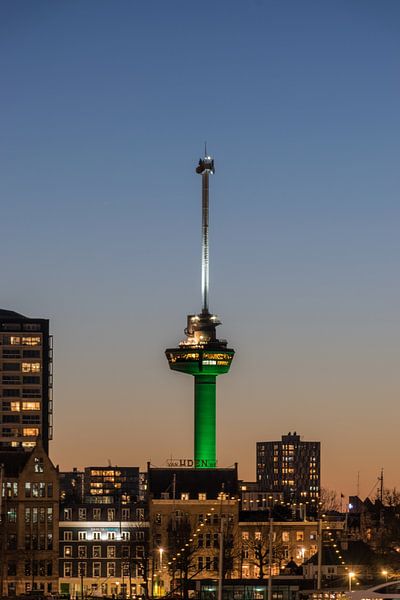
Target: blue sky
[105, 108]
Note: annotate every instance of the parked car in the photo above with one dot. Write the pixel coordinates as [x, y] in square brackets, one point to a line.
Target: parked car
[383, 591]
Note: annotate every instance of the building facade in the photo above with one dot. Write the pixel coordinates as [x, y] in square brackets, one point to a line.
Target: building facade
[187, 509]
[290, 466]
[104, 533]
[25, 381]
[29, 522]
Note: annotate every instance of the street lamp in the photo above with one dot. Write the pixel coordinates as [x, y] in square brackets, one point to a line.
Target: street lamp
[351, 575]
[385, 574]
[160, 550]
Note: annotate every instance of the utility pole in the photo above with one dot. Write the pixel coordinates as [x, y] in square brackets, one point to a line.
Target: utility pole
[270, 550]
[221, 560]
[319, 578]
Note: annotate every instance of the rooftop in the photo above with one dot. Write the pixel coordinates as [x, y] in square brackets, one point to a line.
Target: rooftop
[10, 315]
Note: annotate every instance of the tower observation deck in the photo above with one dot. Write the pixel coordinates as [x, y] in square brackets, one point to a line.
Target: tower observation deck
[202, 354]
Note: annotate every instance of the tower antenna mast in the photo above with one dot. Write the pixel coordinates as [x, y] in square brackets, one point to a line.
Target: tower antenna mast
[205, 168]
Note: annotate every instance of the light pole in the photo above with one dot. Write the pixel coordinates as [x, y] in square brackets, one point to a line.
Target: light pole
[385, 574]
[351, 575]
[160, 550]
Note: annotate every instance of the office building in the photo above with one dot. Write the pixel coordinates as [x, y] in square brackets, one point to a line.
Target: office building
[25, 381]
[103, 485]
[290, 466]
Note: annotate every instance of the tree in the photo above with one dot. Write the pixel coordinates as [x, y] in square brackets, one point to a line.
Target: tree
[181, 550]
[329, 500]
[258, 548]
[230, 550]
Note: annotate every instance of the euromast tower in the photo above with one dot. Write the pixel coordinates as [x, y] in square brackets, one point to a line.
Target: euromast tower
[202, 354]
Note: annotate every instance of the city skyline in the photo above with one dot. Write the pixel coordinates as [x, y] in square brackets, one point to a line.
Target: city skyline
[104, 116]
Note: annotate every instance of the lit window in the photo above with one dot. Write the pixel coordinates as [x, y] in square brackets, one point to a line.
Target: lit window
[299, 536]
[285, 536]
[67, 514]
[39, 465]
[67, 551]
[110, 514]
[30, 431]
[15, 340]
[15, 406]
[110, 551]
[30, 367]
[29, 341]
[67, 569]
[12, 515]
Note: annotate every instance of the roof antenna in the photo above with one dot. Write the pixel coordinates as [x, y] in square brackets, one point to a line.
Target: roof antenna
[205, 148]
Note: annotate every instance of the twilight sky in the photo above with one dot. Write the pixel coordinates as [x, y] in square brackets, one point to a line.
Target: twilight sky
[104, 109]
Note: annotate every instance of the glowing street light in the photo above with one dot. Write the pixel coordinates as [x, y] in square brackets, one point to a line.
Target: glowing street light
[385, 574]
[160, 550]
[351, 575]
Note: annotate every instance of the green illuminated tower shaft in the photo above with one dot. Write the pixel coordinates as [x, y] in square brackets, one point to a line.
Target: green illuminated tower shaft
[205, 441]
[201, 354]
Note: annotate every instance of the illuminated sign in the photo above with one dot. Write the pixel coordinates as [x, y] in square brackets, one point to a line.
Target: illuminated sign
[182, 463]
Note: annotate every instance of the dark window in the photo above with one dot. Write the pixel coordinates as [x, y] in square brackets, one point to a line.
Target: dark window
[11, 366]
[11, 379]
[30, 353]
[10, 418]
[31, 393]
[10, 393]
[31, 379]
[12, 568]
[28, 419]
[12, 541]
